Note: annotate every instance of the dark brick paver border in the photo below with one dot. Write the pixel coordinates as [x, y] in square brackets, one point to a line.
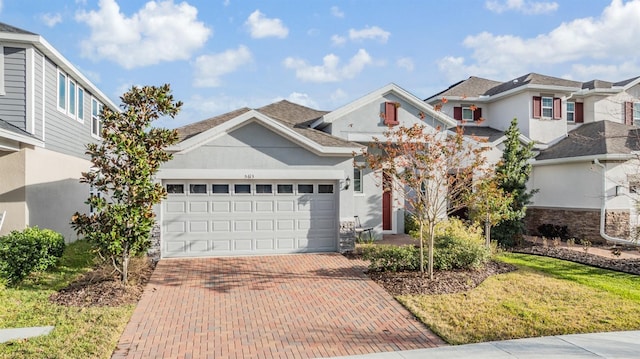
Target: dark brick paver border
[294, 306]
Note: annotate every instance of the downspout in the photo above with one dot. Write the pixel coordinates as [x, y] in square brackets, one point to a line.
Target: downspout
[603, 211]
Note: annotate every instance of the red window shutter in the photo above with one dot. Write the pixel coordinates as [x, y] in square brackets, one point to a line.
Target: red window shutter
[557, 109]
[457, 113]
[477, 114]
[628, 113]
[537, 106]
[390, 114]
[579, 112]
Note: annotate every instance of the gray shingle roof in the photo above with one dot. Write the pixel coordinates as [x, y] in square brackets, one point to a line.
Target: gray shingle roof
[626, 82]
[296, 117]
[533, 79]
[4, 125]
[471, 87]
[488, 133]
[8, 28]
[596, 138]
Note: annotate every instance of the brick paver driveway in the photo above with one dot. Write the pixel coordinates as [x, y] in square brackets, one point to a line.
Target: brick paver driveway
[293, 306]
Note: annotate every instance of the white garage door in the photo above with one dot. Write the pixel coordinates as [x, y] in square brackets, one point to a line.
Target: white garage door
[210, 218]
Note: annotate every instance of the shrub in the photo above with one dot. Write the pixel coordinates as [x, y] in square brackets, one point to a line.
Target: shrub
[458, 228]
[392, 258]
[410, 224]
[459, 246]
[553, 231]
[27, 251]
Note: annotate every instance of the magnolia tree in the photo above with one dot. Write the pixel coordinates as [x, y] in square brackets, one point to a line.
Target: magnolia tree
[124, 162]
[431, 170]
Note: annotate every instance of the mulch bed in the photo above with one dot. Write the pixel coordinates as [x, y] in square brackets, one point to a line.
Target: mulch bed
[102, 287]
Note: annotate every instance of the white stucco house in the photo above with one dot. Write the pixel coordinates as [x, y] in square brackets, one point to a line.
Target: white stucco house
[585, 134]
[281, 178]
[48, 113]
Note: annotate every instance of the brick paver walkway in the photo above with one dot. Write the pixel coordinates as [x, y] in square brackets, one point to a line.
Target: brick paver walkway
[294, 306]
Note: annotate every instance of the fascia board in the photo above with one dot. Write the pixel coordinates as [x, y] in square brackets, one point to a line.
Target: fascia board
[257, 174]
[21, 138]
[603, 157]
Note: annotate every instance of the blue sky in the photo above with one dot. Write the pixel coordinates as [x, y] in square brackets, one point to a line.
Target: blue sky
[219, 55]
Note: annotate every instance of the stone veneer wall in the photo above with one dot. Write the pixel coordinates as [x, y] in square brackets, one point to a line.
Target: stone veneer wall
[347, 240]
[154, 250]
[582, 223]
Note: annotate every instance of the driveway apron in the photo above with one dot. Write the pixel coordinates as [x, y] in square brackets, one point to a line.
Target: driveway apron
[291, 306]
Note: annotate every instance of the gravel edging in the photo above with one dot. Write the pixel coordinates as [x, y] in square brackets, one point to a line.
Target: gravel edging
[631, 266]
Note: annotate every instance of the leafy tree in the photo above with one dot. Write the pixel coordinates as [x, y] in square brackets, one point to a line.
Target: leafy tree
[490, 205]
[513, 172]
[124, 191]
[431, 170]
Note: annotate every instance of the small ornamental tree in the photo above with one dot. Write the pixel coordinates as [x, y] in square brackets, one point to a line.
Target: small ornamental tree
[513, 174]
[432, 172]
[490, 205]
[124, 191]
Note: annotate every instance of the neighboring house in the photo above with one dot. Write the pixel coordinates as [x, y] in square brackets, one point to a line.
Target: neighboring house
[585, 137]
[281, 178]
[48, 113]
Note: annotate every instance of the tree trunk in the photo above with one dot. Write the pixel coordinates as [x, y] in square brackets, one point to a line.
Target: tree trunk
[125, 265]
[421, 248]
[431, 240]
[487, 233]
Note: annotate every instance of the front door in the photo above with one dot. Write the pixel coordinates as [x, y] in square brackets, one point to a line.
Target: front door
[387, 196]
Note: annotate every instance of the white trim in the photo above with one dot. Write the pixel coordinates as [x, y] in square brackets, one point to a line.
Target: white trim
[592, 158]
[99, 104]
[248, 174]
[21, 138]
[79, 103]
[66, 83]
[30, 120]
[2, 89]
[72, 111]
[390, 88]
[255, 116]
[44, 102]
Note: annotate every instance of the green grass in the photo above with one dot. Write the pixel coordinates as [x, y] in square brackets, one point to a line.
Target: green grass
[543, 297]
[79, 332]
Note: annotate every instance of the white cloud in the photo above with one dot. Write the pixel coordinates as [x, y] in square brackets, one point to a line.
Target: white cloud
[338, 40]
[209, 68]
[335, 11]
[338, 96]
[302, 99]
[525, 7]
[226, 2]
[260, 26]
[405, 63]
[330, 70]
[161, 31]
[603, 41]
[373, 33]
[51, 19]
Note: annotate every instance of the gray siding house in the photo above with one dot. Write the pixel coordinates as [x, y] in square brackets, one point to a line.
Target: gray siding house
[282, 178]
[48, 113]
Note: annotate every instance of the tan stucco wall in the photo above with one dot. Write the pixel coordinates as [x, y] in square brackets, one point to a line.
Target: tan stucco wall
[12, 190]
[53, 191]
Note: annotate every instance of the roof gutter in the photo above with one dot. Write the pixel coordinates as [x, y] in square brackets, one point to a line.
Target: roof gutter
[603, 211]
[592, 158]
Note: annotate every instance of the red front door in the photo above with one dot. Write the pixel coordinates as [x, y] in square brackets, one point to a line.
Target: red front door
[386, 202]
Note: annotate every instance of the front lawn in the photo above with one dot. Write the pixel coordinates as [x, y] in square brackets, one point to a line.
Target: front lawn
[545, 296]
[80, 332]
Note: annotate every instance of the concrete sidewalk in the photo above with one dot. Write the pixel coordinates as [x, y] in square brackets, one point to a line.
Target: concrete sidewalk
[597, 345]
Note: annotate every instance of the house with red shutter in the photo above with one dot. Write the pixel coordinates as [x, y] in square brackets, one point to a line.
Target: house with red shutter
[586, 170]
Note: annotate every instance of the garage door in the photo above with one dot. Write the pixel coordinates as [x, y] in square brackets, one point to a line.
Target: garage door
[211, 218]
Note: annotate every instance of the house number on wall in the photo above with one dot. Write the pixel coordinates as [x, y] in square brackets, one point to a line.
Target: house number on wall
[249, 176]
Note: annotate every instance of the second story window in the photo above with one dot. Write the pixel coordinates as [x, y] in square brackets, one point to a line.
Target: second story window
[547, 107]
[636, 113]
[96, 123]
[357, 180]
[62, 91]
[80, 114]
[467, 114]
[571, 112]
[72, 98]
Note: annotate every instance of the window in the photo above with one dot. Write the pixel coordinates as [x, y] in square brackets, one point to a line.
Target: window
[62, 91]
[80, 104]
[285, 188]
[220, 188]
[72, 98]
[636, 113]
[571, 112]
[198, 188]
[264, 188]
[242, 189]
[325, 188]
[175, 188]
[305, 188]
[467, 113]
[96, 123]
[547, 107]
[357, 180]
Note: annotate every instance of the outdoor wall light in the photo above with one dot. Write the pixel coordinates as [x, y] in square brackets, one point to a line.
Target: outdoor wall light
[347, 182]
[619, 190]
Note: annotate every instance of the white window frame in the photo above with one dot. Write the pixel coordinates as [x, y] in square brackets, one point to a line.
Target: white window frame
[72, 99]
[95, 118]
[467, 109]
[357, 180]
[571, 114]
[79, 104]
[543, 107]
[62, 91]
[636, 113]
[2, 89]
